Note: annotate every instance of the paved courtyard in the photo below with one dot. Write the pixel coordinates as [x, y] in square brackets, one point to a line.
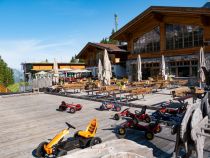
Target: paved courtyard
[28, 120]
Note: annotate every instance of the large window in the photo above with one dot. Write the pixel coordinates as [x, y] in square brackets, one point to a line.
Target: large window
[183, 36]
[149, 42]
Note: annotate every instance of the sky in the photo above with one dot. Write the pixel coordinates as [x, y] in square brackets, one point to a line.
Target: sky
[36, 30]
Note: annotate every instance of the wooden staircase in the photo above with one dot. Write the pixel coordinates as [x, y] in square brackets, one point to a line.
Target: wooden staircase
[4, 89]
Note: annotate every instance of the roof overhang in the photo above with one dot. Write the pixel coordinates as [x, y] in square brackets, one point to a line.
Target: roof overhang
[157, 13]
[100, 47]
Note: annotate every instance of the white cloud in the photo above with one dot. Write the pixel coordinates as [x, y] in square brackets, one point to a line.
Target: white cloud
[31, 50]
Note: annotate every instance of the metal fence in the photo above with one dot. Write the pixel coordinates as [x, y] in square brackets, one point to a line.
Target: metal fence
[41, 83]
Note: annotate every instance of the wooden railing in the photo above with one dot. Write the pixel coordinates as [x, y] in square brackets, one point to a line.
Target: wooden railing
[3, 89]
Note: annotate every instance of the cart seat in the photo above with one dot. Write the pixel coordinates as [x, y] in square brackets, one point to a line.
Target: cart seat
[90, 130]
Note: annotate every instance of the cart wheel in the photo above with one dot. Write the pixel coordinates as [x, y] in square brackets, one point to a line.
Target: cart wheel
[72, 110]
[40, 152]
[62, 108]
[61, 152]
[95, 140]
[118, 108]
[174, 129]
[147, 119]
[149, 135]
[121, 132]
[116, 116]
[101, 107]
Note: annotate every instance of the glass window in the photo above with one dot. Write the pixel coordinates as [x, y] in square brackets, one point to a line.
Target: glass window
[194, 71]
[173, 71]
[183, 36]
[149, 42]
[194, 62]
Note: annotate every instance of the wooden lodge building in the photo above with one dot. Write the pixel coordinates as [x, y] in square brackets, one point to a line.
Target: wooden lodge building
[33, 68]
[175, 32]
[92, 52]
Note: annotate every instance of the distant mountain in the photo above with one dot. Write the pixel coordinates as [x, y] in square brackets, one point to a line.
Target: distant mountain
[207, 5]
[18, 75]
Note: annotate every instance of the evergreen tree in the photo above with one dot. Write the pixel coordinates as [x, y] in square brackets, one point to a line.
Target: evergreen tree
[72, 60]
[6, 74]
[108, 40]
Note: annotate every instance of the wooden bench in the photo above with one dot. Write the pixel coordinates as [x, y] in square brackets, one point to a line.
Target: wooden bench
[107, 89]
[180, 92]
[137, 92]
[74, 86]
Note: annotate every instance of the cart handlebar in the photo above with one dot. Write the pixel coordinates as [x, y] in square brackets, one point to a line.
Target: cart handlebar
[70, 126]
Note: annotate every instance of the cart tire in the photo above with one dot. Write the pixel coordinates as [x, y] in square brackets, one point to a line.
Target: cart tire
[61, 152]
[40, 150]
[101, 107]
[117, 117]
[72, 110]
[62, 108]
[147, 119]
[94, 141]
[174, 129]
[149, 135]
[121, 132]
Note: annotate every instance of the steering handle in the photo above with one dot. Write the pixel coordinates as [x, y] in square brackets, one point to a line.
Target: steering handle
[70, 126]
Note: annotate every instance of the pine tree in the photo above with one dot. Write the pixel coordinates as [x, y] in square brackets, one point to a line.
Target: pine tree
[72, 59]
[6, 74]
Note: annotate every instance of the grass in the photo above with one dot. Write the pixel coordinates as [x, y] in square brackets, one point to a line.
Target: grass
[16, 86]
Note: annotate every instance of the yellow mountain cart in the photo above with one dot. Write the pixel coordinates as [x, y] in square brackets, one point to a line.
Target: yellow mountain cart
[57, 147]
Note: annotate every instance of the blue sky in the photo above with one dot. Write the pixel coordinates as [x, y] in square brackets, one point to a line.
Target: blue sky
[33, 30]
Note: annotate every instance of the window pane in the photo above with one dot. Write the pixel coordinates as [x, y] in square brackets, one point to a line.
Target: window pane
[149, 42]
[183, 36]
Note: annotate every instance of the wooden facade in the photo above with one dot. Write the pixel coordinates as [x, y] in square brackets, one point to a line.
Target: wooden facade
[161, 17]
[92, 52]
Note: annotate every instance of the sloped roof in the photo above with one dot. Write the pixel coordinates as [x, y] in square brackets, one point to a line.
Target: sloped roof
[102, 46]
[108, 47]
[160, 9]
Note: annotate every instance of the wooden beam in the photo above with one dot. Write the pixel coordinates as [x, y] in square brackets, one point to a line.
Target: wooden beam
[158, 16]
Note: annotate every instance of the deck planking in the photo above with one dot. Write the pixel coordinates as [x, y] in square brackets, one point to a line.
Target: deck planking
[28, 120]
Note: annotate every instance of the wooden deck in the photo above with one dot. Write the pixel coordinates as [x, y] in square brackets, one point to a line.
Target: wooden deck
[28, 120]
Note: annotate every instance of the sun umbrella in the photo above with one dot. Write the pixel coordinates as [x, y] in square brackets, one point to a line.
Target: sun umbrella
[100, 70]
[163, 68]
[107, 74]
[202, 64]
[55, 69]
[139, 73]
[79, 71]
